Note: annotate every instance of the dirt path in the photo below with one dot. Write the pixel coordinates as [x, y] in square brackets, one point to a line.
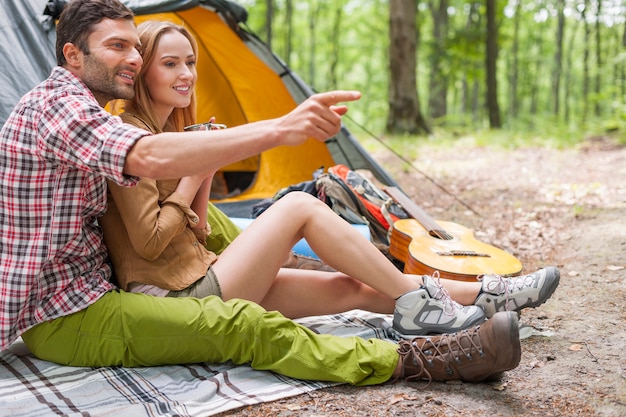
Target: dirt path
[547, 207]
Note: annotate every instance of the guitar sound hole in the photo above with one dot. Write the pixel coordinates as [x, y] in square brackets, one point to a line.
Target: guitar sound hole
[440, 234]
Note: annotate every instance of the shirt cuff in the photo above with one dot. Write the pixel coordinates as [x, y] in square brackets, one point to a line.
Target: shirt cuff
[202, 233]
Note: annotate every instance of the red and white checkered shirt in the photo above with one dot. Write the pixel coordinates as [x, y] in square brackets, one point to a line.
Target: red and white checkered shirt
[56, 149]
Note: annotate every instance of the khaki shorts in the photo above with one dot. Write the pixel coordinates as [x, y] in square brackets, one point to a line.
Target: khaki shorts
[205, 286]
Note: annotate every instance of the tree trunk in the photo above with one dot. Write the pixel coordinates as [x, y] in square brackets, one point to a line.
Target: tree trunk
[623, 87]
[313, 16]
[437, 96]
[269, 21]
[537, 70]
[335, 42]
[599, 69]
[586, 61]
[514, 71]
[491, 60]
[471, 88]
[568, 73]
[558, 57]
[289, 31]
[404, 110]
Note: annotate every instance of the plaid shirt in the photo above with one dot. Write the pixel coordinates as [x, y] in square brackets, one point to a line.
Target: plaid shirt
[56, 150]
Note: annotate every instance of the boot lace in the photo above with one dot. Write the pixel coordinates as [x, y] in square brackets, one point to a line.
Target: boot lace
[420, 353]
[449, 305]
[506, 286]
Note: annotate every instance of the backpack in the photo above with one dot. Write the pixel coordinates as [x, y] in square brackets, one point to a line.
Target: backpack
[358, 201]
[353, 197]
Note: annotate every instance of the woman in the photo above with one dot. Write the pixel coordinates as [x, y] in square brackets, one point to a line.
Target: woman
[154, 233]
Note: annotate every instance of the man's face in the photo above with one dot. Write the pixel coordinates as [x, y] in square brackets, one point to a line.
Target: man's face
[113, 61]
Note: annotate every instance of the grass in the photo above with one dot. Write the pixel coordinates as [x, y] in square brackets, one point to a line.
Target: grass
[545, 134]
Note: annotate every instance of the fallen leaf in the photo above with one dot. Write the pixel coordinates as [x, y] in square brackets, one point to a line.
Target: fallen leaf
[572, 273]
[576, 347]
[614, 267]
[292, 407]
[499, 386]
[397, 398]
[527, 331]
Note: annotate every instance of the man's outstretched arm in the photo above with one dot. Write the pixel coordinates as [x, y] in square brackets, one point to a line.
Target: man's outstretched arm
[175, 155]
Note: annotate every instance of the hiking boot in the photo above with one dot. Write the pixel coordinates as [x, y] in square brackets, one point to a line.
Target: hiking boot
[473, 355]
[516, 293]
[430, 310]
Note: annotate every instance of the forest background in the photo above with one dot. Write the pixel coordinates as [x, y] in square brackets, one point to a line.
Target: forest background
[517, 109]
[546, 71]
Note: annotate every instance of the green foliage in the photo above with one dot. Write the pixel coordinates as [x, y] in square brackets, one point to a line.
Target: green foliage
[344, 44]
[547, 134]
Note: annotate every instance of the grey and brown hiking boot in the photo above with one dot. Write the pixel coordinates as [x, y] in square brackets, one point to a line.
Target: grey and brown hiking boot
[517, 293]
[430, 310]
[472, 355]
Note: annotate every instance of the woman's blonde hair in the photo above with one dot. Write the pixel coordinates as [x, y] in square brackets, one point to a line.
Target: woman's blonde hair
[150, 33]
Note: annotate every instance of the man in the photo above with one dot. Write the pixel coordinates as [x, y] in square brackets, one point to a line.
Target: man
[57, 149]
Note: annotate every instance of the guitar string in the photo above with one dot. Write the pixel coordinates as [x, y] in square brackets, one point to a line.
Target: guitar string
[412, 165]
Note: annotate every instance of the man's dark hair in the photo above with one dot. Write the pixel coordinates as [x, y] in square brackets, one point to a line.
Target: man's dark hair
[78, 19]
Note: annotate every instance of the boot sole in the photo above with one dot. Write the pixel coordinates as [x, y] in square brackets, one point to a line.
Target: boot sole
[548, 293]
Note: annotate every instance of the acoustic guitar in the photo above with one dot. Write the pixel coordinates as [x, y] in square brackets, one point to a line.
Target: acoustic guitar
[425, 246]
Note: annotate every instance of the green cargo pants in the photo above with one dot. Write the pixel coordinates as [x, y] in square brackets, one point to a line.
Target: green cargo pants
[131, 329]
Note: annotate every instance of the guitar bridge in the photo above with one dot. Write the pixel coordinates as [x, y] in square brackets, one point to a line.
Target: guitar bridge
[463, 253]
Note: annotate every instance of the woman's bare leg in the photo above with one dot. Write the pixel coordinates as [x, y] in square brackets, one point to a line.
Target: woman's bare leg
[463, 292]
[300, 293]
[249, 267]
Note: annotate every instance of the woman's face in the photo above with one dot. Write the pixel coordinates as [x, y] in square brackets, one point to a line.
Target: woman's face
[172, 75]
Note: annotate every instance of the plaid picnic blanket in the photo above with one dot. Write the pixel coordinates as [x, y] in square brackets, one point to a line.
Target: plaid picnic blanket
[31, 387]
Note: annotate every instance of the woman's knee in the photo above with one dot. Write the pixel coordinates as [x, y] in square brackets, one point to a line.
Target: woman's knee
[301, 202]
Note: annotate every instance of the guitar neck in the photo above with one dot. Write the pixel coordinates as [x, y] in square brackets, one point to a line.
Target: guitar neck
[417, 212]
